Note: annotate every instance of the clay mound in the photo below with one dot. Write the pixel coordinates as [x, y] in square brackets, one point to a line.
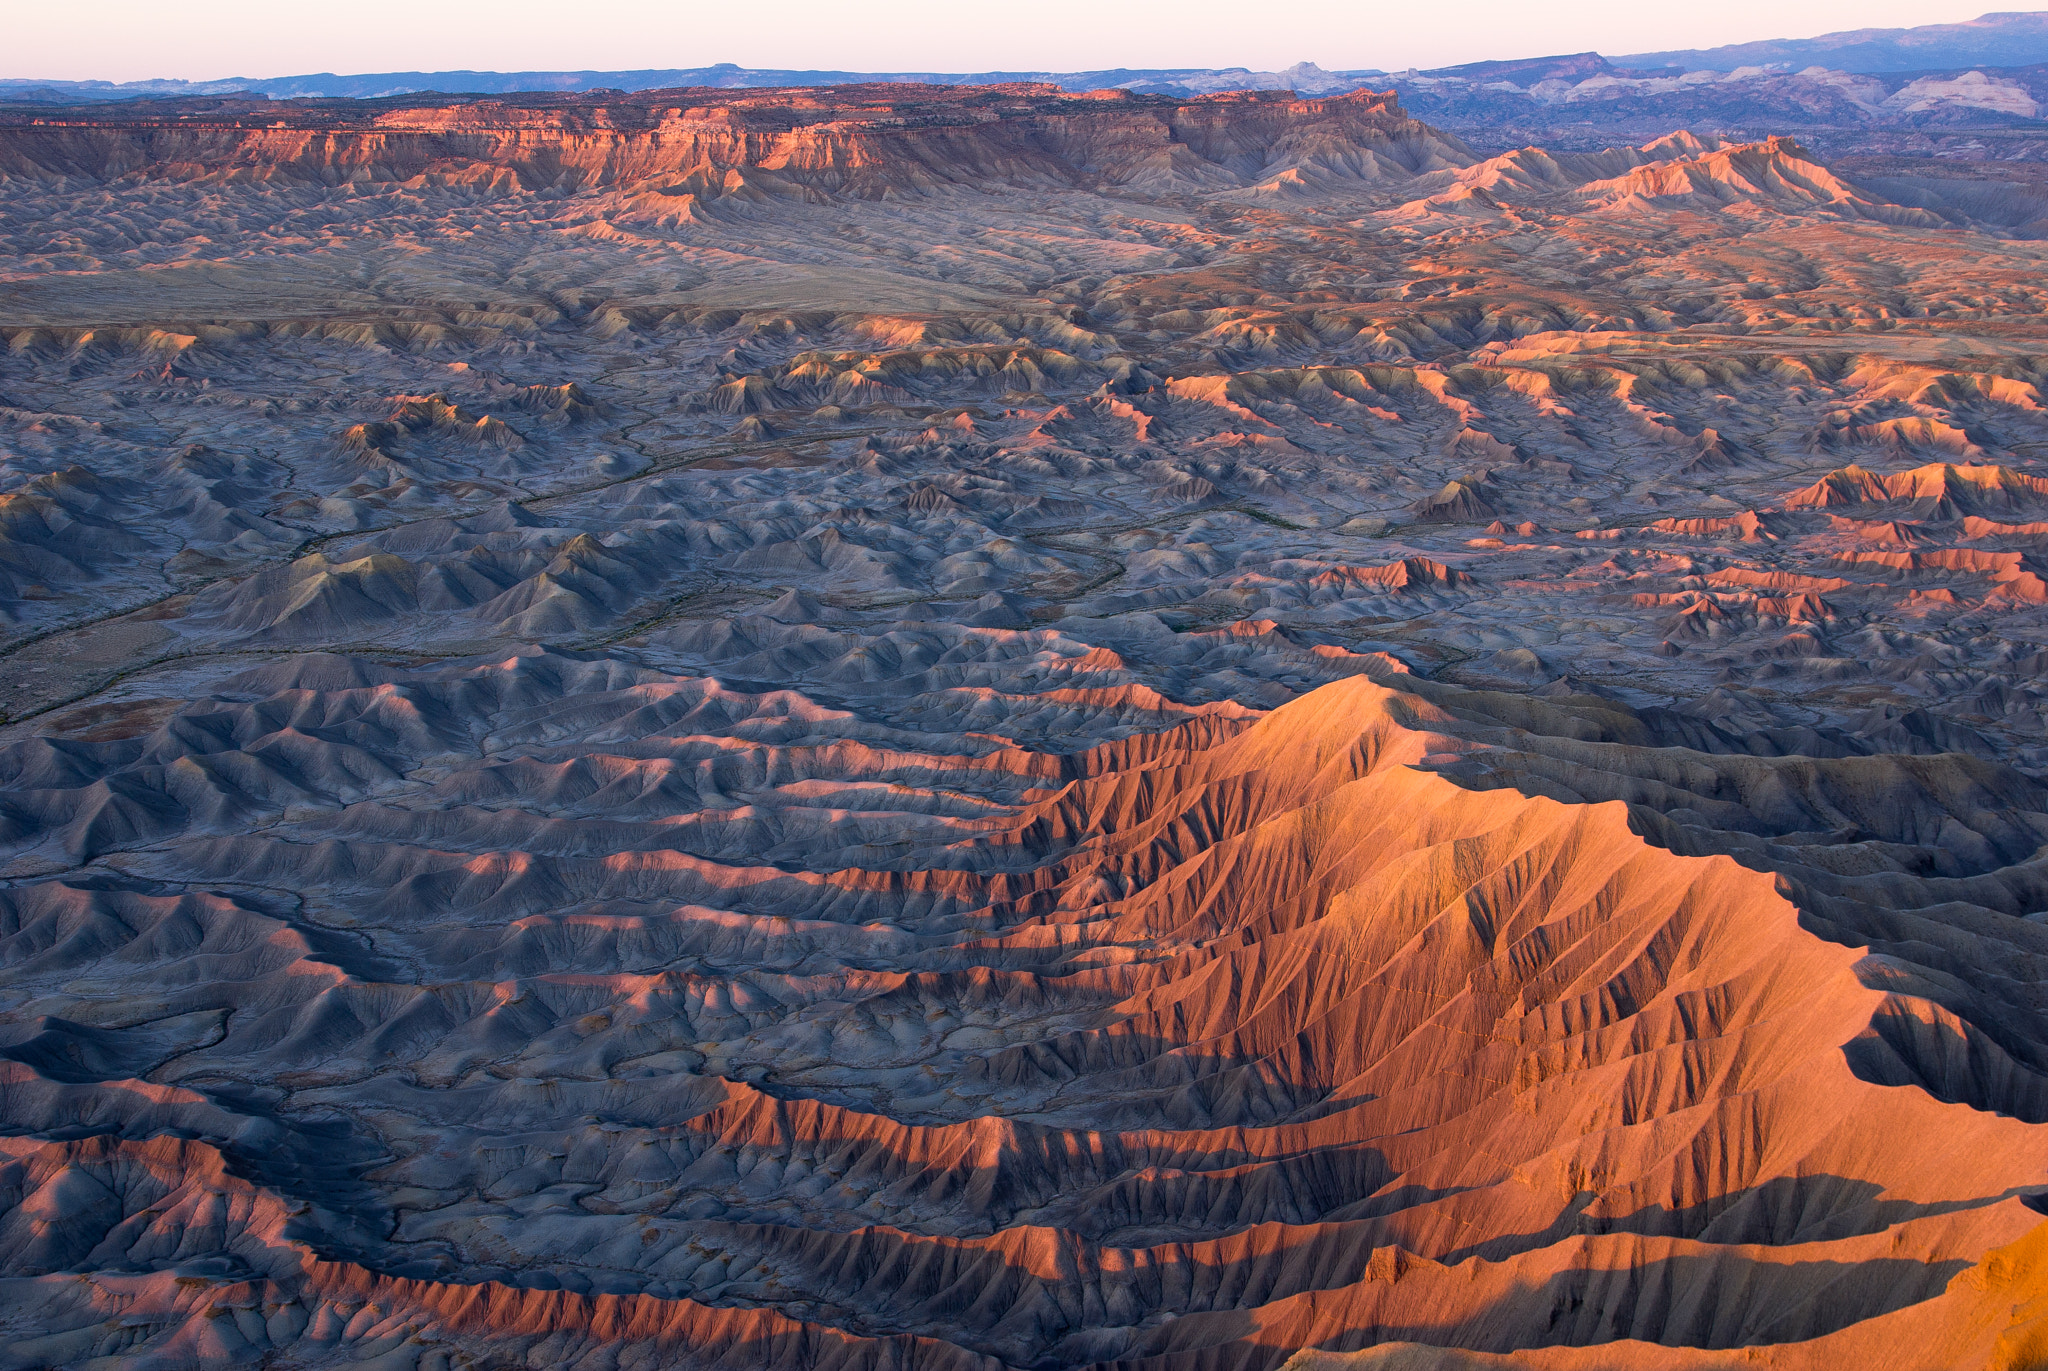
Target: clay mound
[1415, 572]
[1461, 501]
[1677, 172]
[1776, 173]
[1936, 491]
[61, 528]
[1746, 527]
[567, 403]
[1538, 171]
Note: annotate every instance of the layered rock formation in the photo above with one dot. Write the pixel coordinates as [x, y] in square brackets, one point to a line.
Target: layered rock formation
[865, 140]
[890, 729]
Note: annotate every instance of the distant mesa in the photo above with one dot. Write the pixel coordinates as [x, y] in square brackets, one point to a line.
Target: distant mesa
[687, 148]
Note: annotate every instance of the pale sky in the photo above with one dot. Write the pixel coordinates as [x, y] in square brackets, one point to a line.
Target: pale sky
[125, 40]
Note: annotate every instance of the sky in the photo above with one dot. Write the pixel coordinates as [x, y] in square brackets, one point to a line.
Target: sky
[126, 40]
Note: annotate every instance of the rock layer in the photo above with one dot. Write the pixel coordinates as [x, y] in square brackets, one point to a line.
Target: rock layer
[864, 140]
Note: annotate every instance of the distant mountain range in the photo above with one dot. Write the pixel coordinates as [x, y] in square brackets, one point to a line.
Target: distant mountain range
[1305, 77]
[2001, 40]
[2006, 39]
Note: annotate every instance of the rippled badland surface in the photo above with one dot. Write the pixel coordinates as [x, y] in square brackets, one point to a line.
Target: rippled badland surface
[978, 729]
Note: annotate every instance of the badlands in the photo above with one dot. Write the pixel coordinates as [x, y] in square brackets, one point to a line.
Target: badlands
[947, 729]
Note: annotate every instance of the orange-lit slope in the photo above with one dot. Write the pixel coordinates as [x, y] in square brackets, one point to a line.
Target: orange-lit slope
[1406, 1015]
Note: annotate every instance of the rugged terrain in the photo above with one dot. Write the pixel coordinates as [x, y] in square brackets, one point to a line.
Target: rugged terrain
[907, 727]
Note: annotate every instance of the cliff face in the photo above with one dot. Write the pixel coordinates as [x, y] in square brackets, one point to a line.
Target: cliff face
[866, 140]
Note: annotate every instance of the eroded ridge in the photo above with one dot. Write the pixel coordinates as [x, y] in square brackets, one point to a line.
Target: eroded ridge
[1401, 1013]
